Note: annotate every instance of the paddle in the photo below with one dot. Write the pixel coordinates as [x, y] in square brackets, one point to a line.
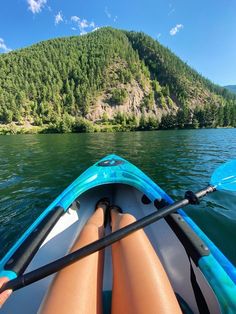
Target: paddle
[223, 178]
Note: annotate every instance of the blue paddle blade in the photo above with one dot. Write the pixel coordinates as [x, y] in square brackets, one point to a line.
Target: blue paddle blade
[224, 177]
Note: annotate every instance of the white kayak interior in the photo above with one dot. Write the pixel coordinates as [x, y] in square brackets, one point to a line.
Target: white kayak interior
[169, 249]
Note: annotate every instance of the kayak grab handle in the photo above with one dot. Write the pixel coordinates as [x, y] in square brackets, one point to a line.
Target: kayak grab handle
[23, 255]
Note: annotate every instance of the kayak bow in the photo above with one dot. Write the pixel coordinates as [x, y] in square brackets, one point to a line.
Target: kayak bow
[114, 174]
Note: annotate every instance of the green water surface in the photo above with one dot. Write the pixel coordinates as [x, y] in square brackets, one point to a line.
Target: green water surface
[34, 169]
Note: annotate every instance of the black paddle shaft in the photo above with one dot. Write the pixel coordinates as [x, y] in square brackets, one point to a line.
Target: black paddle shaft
[49, 269]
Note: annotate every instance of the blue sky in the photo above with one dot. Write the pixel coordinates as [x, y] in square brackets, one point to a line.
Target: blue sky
[202, 33]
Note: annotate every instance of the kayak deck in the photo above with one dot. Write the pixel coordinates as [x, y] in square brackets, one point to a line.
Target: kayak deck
[180, 268]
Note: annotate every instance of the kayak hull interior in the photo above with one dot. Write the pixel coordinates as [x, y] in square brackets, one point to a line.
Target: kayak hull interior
[166, 244]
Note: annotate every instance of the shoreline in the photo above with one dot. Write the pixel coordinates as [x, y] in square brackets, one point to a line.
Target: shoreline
[12, 129]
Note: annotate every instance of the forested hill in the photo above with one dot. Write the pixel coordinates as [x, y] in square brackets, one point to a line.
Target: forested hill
[231, 88]
[107, 79]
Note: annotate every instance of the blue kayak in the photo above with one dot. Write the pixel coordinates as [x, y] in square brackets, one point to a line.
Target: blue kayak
[202, 278]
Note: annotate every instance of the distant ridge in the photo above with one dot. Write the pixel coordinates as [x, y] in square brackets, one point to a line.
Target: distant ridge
[106, 80]
[231, 88]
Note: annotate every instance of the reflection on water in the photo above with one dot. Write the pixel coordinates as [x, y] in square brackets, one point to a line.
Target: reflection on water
[34, 169]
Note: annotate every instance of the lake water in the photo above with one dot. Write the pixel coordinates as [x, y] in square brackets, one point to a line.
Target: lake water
[34, 169]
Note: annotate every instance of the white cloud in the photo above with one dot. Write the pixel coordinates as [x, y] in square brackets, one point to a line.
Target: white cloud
[176, 29]
[35, 6]
[75, 19]
[158, 35]
[92, 24]
[73, 28]
[108, 14]
[95, 29]
[82, 24]
[58, 18]
[3, 46]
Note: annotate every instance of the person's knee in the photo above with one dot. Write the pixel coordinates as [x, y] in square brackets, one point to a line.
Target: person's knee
[126, 219]
[88, 234]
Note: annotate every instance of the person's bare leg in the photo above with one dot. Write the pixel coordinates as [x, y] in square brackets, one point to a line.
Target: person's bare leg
[140, 283]
[5, 294]
[78, 287]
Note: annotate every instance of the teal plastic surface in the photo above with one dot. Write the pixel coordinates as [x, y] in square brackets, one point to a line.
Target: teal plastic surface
[219, 272]
[223, 286]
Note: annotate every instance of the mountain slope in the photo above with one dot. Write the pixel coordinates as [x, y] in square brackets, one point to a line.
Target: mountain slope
[231, 88]
[109, 77]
